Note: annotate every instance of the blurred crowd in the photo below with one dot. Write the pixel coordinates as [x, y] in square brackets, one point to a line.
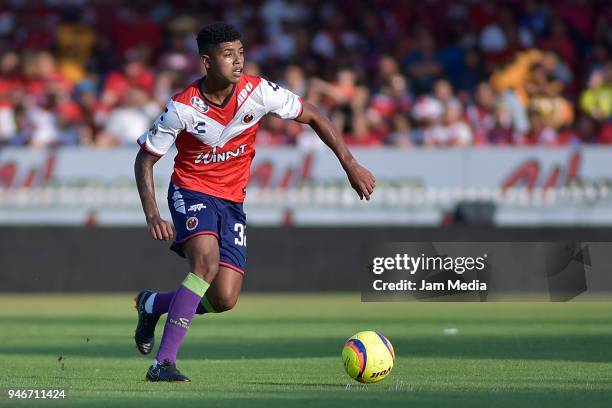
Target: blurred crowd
[434, 73]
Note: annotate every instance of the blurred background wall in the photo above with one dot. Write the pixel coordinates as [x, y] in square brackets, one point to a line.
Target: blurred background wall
[307, 259]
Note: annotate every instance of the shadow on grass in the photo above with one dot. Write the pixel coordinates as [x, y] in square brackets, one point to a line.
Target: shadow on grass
[585, 348]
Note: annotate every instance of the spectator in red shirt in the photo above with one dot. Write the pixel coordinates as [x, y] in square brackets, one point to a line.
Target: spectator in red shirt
[42, 75]
[135, 74]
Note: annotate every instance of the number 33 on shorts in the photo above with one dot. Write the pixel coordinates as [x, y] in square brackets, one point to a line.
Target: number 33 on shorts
[240, 240]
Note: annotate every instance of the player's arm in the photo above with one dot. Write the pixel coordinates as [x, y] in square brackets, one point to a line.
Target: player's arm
[360, 178]
[143, 169]
[154, 143]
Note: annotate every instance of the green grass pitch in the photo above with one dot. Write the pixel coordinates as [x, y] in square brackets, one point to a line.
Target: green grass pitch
[284, 351]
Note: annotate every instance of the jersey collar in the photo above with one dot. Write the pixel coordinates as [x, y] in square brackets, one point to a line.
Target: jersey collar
[225, 101]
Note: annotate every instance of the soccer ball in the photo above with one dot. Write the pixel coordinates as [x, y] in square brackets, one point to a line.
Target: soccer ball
[368, 357]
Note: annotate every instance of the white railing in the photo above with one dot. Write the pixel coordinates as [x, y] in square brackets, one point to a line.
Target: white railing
[386, 196]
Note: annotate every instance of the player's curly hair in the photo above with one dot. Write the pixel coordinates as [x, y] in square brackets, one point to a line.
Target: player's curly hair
[216, 33]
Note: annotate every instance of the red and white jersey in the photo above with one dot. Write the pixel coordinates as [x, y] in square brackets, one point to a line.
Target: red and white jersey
[215, 142]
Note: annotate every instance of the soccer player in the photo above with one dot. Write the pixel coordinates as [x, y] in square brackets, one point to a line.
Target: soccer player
[213, 124]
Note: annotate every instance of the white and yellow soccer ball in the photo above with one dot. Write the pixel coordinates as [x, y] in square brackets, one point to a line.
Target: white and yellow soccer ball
[368, 357]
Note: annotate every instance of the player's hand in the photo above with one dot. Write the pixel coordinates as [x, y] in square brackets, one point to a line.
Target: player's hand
[160, 229]
[361, 180]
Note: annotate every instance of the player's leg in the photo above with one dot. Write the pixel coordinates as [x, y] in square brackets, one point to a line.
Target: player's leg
[225, 289]
[195, 217]
[193, 214]
[149, 306]
[223, 292]
[220, 297]
[202, 253]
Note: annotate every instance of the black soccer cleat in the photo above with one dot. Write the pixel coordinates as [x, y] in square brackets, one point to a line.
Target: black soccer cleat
[166, 371]
[144, 336]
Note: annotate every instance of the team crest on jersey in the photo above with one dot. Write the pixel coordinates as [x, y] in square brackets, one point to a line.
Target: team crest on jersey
[248, 118]
[199, 104]
[153, 129]
[192, 223]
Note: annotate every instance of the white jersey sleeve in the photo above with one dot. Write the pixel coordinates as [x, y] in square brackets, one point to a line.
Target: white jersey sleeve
[279, 101]
[162, 134]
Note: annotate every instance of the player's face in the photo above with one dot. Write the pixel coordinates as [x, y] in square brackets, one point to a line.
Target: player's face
[226, 61]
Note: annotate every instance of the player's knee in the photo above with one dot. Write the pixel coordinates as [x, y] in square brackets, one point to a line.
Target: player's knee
[225, 303]
[203, 255]
[205, 269]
